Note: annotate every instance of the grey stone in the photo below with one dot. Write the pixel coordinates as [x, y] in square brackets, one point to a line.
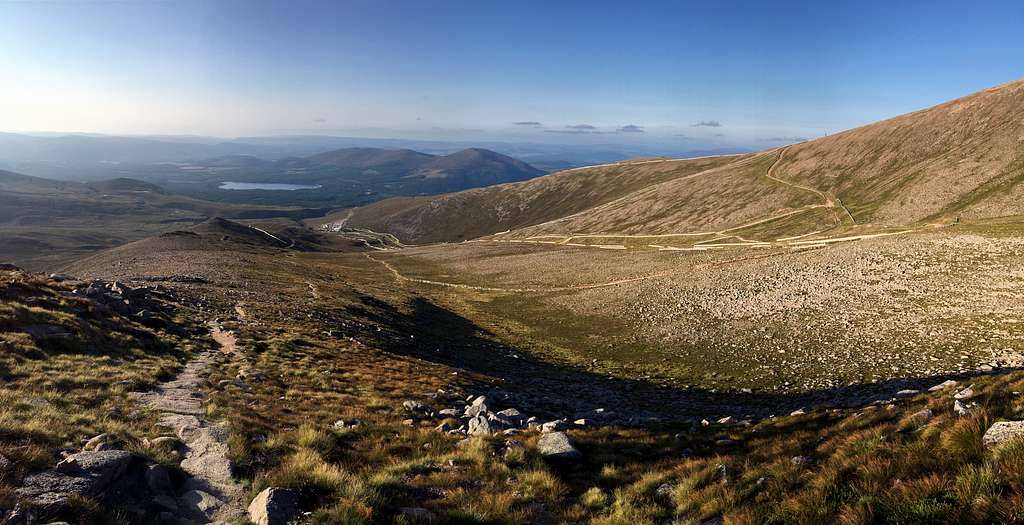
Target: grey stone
[510, 413]
[963, 409]
[966, 393]
[479, 426]
[96, 471]
[552, 426]
[274, 506]
[1002, 432]
[476, 410]
[557, 445]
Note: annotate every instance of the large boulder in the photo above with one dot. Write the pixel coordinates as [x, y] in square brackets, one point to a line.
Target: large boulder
[557, 445]
[274, 506]
[1002, 432]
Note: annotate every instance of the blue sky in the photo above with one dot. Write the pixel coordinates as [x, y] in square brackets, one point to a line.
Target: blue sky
[620, 72]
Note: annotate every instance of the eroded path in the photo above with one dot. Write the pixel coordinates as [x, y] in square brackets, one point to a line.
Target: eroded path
[211, 495]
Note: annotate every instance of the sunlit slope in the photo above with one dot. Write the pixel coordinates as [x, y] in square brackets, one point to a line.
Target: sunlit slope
[483, 211]
[733, 196]
[964, 157]
[960, 160]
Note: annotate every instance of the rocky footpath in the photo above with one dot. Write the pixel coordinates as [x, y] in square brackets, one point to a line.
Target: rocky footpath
[209, 494]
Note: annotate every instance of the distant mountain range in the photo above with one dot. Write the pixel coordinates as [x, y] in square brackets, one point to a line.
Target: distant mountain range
[342, 177]
[78, 156]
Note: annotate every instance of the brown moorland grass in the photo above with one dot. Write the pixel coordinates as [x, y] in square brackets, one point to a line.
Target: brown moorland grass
[72, 379]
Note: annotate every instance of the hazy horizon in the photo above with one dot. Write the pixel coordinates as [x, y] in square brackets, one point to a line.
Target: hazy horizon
[466, 72]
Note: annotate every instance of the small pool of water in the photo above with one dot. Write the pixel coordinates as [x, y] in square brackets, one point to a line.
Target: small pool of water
[228, 185]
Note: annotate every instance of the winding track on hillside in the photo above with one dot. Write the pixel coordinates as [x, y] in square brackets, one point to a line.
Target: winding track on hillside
[714, 241]
[829, 202]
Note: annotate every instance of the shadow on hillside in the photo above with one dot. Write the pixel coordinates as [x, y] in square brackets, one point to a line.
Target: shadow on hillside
[427, 331]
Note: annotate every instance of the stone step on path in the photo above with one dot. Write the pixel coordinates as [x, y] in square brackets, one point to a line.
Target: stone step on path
[211, 495]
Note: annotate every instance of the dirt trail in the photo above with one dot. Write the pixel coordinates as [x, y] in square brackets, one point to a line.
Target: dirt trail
[830, 200]
[211, 495]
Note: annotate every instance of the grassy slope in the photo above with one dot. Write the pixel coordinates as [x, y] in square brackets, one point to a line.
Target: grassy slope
[58, 391]
[484, 211]
[959, 159]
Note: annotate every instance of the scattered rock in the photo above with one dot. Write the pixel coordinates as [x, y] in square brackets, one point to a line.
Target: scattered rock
[510, 413]
[479, 426]
[966, 393]
[415, 407]
[1002, 432]
[800, 460]
[963, 409]
[909, 392]
[552, 426]
[274, 506]
[476, 410]
[557, 445]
